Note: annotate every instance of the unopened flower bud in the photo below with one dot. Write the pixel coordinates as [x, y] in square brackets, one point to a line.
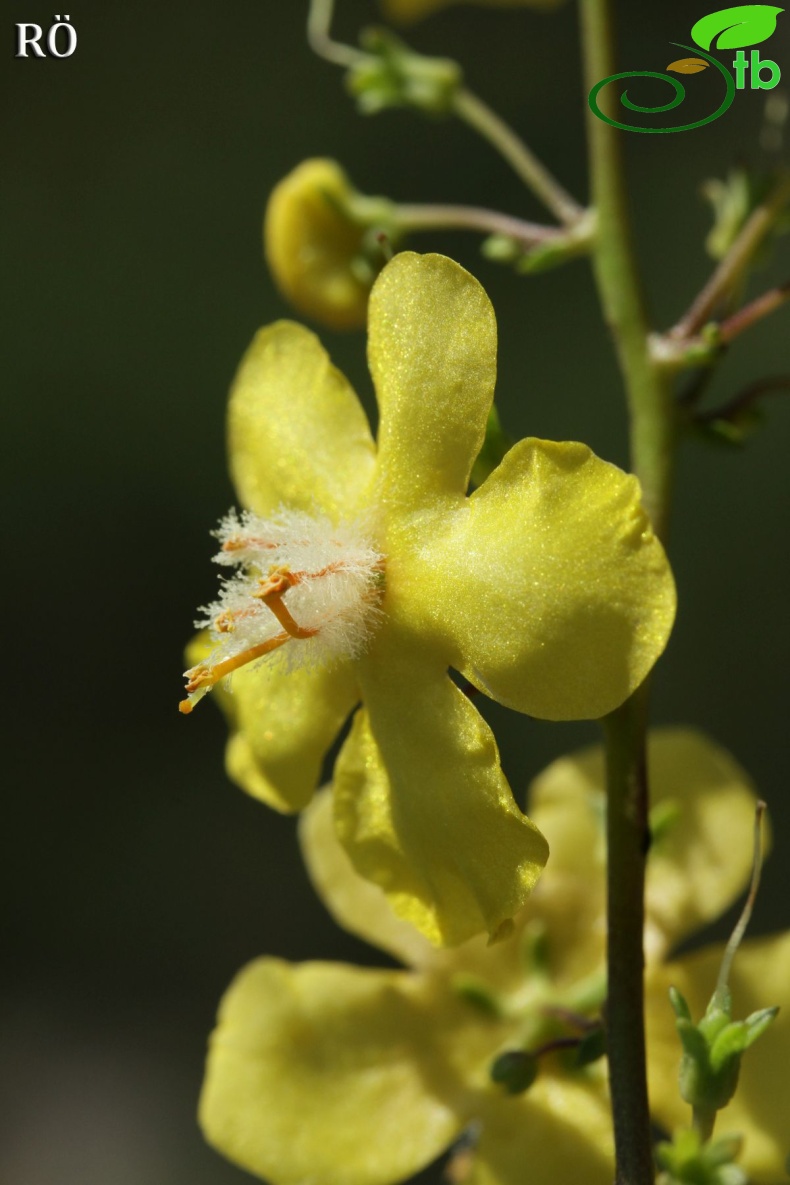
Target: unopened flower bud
[322, 242]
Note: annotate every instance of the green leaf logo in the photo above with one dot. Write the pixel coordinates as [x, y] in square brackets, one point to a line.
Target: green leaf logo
[746, 24]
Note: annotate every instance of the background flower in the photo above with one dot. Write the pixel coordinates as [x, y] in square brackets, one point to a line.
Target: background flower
[381, 1070]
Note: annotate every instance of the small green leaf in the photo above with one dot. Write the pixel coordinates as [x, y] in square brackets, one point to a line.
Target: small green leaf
[746, 24]
[679, 1005]
[477, 994]
[692, 1040]
[729, 1044]
[757, 1023]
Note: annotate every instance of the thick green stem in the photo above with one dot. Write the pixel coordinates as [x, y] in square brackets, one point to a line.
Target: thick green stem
[652, 420]
[652, 437]
[627, 839]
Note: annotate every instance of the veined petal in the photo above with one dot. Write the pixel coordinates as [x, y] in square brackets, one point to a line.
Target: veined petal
[282, 723]
[559, 1131]
[554, 595]
[760, 978]
[702, 852]
[331, 1074]
[422, 806]
[297, 433]
[432, 355]
[355, 903]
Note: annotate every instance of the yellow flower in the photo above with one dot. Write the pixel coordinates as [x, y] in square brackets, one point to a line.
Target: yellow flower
[330, 1073]
[415, 10]
[319, 242]
[366, 573]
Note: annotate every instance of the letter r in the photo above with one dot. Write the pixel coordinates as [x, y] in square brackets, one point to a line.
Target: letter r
[23, 40]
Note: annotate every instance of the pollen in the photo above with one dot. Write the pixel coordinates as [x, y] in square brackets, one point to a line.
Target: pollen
[303, 591]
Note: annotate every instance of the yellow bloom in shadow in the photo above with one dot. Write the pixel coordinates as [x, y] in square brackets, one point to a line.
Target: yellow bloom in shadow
[319, 242]
[545, 588]
[331, 1073]
[415, 10]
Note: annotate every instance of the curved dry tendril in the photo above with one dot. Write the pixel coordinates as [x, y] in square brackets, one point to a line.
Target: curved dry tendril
[743, 921]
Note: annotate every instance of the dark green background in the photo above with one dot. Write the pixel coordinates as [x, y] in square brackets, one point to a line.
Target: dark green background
[137, 880]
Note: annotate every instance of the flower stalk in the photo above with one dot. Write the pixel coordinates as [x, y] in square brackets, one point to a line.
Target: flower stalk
[478, 115]
[653, 434]
[735, 263]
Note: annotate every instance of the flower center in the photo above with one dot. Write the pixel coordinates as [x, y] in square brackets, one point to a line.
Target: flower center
[297, 578]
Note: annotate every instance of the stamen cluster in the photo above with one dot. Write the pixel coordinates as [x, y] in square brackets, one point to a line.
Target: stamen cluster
[297, 577]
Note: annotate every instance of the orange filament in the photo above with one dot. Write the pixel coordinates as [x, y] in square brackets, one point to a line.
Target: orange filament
[203, 675]
[242, 543]
[271, 592]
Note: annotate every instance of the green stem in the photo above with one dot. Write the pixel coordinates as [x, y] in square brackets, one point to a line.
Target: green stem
[478, 115]
[703, 1123]
[319, 22]
[627, 839]
[653, 435]
[736, 262]
[418, 217]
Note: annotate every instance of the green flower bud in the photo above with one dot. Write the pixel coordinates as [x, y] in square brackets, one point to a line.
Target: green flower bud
[515, 1070]
[393, 75]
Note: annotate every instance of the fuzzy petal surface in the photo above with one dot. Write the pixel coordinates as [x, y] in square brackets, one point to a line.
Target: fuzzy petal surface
[432, 355]
[553, 593]
[560, 1131]
[760, 1110]
[422, 806]
[331, 1074]
[297, 433]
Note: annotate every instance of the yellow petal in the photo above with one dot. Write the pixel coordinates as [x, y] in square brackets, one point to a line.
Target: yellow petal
[355, 903]
[282, 724]
[422, 806]
[432, 354]
[567, 802]
[330, 1074]
[552, 591]
[759, 1111]
[701, 861]
[297, 432]
[311, 244]
[559, 1131]
[698, 865]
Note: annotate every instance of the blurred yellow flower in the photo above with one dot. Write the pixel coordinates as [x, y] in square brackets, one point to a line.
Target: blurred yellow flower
[380, 1071]
[319, 242]
[415, 10]
[366, 573]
